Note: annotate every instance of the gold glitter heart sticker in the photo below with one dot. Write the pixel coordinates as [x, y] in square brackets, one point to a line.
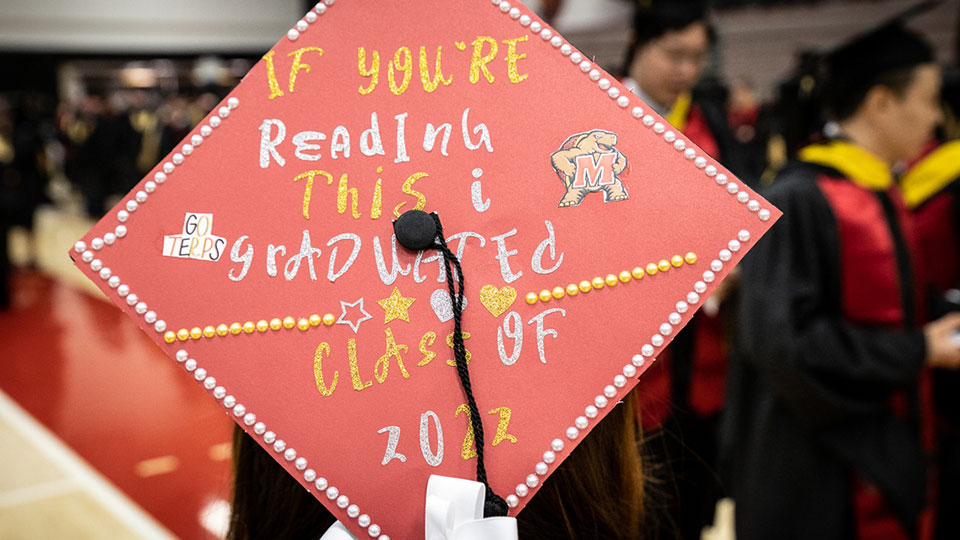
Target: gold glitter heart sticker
[497, 301]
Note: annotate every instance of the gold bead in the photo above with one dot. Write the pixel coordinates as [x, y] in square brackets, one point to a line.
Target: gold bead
[196, 332]
[625, 276]
[597, 282]
[532, 298]
[652, 269]
[236, 328]
[223, 330]
[585, 286]
[315, 320]
[545, 295]
[209, 332]
[558, 292]
[676, 261]
[289, 322]
[262, 326]
[663, 265]
[249, 327]
[637, 272]
[329, 319]
[183, 334]
[611, 280]
[303, 324]
[275, 324]
[572, 289]
[169, 336]
[690, 257]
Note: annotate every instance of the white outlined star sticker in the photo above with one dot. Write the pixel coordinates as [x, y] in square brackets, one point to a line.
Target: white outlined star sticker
[355, 325]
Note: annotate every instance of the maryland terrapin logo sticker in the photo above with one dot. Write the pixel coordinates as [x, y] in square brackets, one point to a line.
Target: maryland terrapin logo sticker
[589, 162]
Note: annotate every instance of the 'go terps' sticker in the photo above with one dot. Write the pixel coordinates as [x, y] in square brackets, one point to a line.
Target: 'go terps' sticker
[196, 241]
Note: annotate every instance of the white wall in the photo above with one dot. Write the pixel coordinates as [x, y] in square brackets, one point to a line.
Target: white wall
[138, 26]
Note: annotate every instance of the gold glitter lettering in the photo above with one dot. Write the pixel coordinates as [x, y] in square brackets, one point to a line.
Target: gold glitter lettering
[358, 384]
[402, 61]
[323, 349]
[480, 61]
[376, 208]
[502, 434]
[298, 65]
[428, 355]
[342, 192]
[513, 57]
[275, 90]
[393, 350]
[467, 451]
[408, 189]
[428, 84]
[308, 190]
[468, 356]
[373, 72]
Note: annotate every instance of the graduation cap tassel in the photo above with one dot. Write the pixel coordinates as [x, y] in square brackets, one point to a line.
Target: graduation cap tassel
[418, 230]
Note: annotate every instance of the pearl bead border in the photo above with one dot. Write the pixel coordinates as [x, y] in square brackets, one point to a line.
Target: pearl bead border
[200, 134]
[622, 97]
[275, 324]
[311, 17]
[637, 361]
[248, 418]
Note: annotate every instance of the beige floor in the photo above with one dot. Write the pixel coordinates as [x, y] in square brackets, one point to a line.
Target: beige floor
[47, 491]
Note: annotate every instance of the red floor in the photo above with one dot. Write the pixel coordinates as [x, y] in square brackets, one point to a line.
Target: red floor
[85, 370]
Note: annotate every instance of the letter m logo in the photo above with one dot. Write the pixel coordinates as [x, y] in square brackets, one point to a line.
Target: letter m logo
[594, 173]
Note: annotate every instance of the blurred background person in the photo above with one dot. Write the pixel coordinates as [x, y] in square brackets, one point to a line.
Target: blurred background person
[829, 406]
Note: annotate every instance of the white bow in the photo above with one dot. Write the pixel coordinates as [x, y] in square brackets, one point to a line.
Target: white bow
[454, 511]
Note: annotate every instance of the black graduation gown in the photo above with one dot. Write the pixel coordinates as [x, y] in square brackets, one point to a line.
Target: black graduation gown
[809, 391]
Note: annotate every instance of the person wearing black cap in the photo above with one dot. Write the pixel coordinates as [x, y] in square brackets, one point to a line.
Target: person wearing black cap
[682, 396]
[828, 414]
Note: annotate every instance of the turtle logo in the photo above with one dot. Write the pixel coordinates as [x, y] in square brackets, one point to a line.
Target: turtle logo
[588, 162]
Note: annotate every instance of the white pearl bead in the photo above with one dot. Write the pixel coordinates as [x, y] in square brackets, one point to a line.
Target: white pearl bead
[209, 383]
[141, 196]
[525, 20]
[679, 145]
[682, 307]
[207, 130]
[732, 188]
[666, 329]
[532, 480]
[623, 101]
[693, 297]
[80, 246]
[556, 41]
[178, 158]
[610, 391]
[200, 374]
[619, 381]
[566, 49]
[214, 121]
[637, 360]
[576, 58]
[594, 75]
[223, 112]
[302, 26]
[97, 243]
[309, 475]
[363, 520]
[187, 149]
[710, 170]
[132, 206]
[279, 445]
[229, 401]
[648, 120]
[549, 456]
[249, 418]
[646, 350]
[123, 216]
[113, 282]
[721, 179]
[353, 511]
[292, 34]
[585, 66]
[191, 365]
[629, 371]
[512, 500]
[556, 445]
[132, 300]
[140, 308]
[233, 103]
[753, 206]
[709, 276]
[160, 177]
[614, 92]
[168, 167]
[572, 433]
[300, 464]
[581, 422]
[122, 290]
[105, 273]
[182, 355]
[591, 411]
[150, 317]
[150, 186]
[320, 484]
[514, 13]
[669, 136]
[637, 112]
[743, 235]
[656, 340]
[700, 287]
[700, 162]
[764, 214]
[659, 128]
[674, 318]
[196, 140]
[87, 256]
[734, 245]
[259, 428]
[160, 325]
[603, 83]
[535, 27]
[690, 153]
[725, 255]
[289, 454]
[743, 197]
[343, 501]
[219, 392]
[332, 493]
[600, 401]
[716, 265]
[546, 34]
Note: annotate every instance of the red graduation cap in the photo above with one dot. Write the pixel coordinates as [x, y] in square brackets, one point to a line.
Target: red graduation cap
[261, 254]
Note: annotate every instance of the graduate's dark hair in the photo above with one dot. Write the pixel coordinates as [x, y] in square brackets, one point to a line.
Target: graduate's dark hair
[654, 18]
[884, 57]
[597, 492]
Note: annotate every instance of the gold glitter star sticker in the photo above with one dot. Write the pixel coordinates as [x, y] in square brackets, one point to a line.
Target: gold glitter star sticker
[395, 306]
